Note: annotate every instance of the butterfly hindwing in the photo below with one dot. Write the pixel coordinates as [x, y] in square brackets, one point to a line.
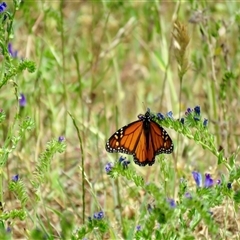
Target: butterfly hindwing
[144, 155]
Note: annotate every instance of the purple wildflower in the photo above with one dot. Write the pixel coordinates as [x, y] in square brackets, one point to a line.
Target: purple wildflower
[3, 6]
[61, 139]
[171, 202]
[15, 178]
[170, 114]
[138, 228]
[98, 215]
[189, 110]
[208, 180]
[11, 51]
[197, 110]
[121, 159]
[8, 230]
[218, 182]
[198, 178]
[188, 195]
[125, 163]
[108, 167]
[22, 100]
[205, 122]
[160, 116]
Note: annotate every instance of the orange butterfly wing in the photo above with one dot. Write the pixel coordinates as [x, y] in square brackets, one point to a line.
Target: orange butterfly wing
[154, 140]
[125, 139]
[144, 139]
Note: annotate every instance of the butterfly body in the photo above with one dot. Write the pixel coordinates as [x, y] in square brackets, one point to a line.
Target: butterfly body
[144, 139]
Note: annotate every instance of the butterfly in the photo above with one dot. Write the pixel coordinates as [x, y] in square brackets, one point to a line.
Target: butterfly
[144, 139]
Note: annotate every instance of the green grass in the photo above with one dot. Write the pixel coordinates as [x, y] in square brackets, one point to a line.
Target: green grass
[89, 68]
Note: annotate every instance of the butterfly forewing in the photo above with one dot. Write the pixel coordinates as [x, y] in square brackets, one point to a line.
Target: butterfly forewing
[124, 140]
[130, 133]
[160, 139]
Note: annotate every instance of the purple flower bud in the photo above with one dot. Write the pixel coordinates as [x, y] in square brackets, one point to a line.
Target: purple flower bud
[170, 114]
[198, 178]
[15, 178]
[11, 51]
[208, 180]
[188, 195]
[22, 100]
[205, 122]
[3, 6]
[189, 110]
[160, 116]
[125, 163]
[61, 139]
[197, 110]
[121, 159]
[8, 230]
[108, 167]
[98, 215]
[138, 228]
[171, 202]
[218, 182]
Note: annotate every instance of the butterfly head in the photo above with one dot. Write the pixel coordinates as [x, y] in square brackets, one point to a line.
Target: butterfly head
[147, 116]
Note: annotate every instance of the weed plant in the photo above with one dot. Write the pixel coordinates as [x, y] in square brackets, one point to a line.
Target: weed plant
[72, 73]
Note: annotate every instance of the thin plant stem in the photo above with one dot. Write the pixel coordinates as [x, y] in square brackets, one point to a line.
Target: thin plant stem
[119, 202]
[82, 166]
[64, 84]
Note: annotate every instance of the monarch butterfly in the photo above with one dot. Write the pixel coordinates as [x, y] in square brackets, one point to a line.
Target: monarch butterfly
[144, 139]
